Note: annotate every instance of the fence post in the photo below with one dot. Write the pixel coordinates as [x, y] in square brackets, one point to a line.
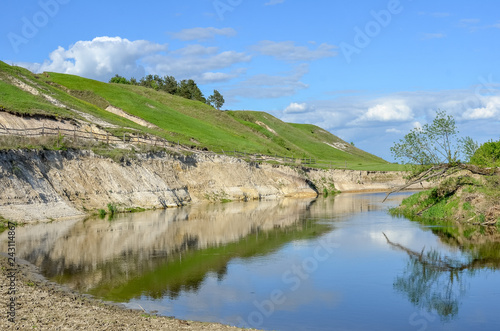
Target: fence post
[43, 129]
[107, 138]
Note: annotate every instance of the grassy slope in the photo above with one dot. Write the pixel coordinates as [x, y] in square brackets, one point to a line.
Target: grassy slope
[187, 121]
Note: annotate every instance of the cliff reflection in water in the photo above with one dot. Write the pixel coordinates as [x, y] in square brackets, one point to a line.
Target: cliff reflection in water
[103, 257]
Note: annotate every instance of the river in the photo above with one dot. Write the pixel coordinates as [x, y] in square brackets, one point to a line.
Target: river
[335, 263]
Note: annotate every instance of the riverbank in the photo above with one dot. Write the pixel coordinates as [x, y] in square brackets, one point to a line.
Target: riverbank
[44, 185]
[44, 305]
[467, 203]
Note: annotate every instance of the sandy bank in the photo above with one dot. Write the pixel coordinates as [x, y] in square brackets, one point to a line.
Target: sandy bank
[43, 305]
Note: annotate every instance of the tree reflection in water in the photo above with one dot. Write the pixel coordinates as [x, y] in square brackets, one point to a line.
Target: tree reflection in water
[436, 283]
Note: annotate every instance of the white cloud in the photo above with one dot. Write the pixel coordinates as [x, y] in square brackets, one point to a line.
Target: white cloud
[274, 2]
[490, 110]
[374, 122]
[196, 61]
[202, 33]
[214, 77]
[296, 108]
[388, 111]
[101, 57]
[265, 86]
[288, 51]
[195, 50]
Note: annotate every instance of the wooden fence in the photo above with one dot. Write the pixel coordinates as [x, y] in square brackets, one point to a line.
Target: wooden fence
[127, 138]
[75, 134]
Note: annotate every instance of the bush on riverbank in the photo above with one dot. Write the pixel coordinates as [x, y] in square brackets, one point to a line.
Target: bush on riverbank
[465, 199]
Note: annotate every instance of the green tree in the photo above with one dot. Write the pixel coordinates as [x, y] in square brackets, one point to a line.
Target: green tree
[170, 85]
[189, 90]
[216, 100]
[119, 80]
[435, 143]
[488, 155]
[434, 151]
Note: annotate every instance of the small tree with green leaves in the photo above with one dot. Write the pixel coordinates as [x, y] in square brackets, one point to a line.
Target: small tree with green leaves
[435, 143]
[216, 100]
[119, 80]
[434, 150]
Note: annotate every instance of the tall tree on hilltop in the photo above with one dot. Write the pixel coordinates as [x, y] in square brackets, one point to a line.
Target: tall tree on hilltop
[216, 100]
[170, 85]
[189, 90]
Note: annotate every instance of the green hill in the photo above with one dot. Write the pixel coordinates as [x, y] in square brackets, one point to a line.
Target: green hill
[174, 118]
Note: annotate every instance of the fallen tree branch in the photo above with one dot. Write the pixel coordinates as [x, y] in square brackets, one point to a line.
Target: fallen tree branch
[421, 178]
[444, 170]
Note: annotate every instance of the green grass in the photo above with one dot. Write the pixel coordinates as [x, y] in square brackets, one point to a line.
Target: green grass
[180, 120]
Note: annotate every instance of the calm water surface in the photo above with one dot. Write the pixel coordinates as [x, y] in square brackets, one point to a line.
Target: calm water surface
[320, 264]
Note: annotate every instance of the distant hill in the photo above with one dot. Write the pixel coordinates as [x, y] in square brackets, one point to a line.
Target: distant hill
[134, 108]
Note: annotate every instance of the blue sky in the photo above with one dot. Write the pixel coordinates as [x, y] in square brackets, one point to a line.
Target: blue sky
[367, 71]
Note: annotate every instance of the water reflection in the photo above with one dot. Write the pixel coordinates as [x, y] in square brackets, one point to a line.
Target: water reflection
[170, 250]
[438, 283]
[224, 262]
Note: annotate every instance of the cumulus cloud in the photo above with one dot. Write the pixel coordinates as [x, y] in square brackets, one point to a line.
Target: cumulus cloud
[490, 110]
[296, 108]
[101, 57]
[388, 111]
[288, 51]
[202, 33]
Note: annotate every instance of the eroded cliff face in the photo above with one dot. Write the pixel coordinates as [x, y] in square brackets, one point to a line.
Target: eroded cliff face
[41, 185]
[44, 185]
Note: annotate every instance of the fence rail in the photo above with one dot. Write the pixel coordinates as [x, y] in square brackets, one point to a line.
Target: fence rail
[128, 138]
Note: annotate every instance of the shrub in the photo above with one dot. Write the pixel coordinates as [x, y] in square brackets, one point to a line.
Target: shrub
[112, 209]
[488, 155]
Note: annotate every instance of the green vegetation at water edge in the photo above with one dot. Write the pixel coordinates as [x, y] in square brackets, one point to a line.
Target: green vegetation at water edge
[456, 200]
